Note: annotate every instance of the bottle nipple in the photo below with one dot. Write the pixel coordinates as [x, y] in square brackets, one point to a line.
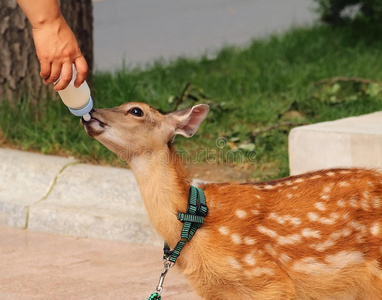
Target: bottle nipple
[87, 117]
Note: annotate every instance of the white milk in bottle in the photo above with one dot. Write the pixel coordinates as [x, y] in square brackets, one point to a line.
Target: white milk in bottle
[78, 100]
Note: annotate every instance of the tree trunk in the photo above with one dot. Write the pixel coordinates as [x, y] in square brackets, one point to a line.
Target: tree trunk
[19, 66]
[79, 16]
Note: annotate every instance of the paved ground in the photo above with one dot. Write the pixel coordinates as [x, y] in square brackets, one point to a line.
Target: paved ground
[139, 31]
[46, 266]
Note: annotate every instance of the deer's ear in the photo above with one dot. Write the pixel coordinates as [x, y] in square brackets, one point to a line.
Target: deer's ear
[187, 121]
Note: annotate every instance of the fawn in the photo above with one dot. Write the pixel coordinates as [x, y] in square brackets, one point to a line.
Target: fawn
[312, 236]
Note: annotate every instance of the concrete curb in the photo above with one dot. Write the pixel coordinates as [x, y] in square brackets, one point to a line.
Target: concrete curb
[60, 195]
[348, 142]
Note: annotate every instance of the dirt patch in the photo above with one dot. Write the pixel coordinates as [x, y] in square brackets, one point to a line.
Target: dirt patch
[5, 143]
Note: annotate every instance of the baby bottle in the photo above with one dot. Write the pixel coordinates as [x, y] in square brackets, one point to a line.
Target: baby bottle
[78, 100]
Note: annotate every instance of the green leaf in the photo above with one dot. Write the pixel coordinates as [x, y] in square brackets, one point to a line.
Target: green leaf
[247, 147]
[373, 90]
[234, 139]
[335, 89]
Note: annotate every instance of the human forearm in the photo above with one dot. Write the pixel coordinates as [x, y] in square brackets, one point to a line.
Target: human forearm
[41, 12]
[56, 46]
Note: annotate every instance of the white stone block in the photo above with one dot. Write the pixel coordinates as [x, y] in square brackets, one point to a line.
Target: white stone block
[349, 142]
[25, 178]
[96, 202]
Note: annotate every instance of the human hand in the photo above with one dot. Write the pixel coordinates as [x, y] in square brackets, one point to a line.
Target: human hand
[57, 49]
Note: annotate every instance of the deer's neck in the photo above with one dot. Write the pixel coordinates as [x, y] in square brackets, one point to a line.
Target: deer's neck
[164, 186]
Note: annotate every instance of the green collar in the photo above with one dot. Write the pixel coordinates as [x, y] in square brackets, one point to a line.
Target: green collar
[192, 220]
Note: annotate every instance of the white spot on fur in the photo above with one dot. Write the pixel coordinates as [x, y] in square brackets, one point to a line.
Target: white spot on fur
[284, 258]
[299, 180]
[344, 259]
[310, 233]
[295, 187]
[310, 265]
[315, 177]
[271, 250]
[375, 229]
[258, 196]
[284, 219]
[323, 246]
[341, 203]
[345, 172]
[320, 206]
[365, 205]
[357, 226]
[236, 239]
[327, 221]
[353, 202]
[211, 203]
[241, 214]
[263, 271]
[269, 232]
[289, 196]
[269, 187]
[295, 221]
[346, 232]
[289, 239]
[330, 221]
[376, 202]
[330, 173]
[328, 243]
[234, 263]
[255, 212]
[249, 241]
[249, 259]
[344, 184]
[340, 233]
[328, 188]
[288, 182]
[366, 194]
[324, 197]
[332, 263]
[276, 218]
[361, 231]
[313, 216]
[223, 230]
[360, 238]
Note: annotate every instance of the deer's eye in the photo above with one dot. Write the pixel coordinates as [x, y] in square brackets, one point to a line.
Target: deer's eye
[136, 111]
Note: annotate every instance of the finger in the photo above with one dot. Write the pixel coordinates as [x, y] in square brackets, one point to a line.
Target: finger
[54, 73]
[45, 67]
[66, 76]
[82, 70]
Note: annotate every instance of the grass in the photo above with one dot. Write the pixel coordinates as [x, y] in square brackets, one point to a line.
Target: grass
[272, 81]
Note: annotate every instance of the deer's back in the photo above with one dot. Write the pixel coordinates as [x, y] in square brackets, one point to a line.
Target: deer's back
[318, 233]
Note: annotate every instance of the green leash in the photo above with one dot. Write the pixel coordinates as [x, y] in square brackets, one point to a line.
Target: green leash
[154, 296]
[192, 220]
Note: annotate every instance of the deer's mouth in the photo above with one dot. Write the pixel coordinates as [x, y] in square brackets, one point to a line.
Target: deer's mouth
[95, 126]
